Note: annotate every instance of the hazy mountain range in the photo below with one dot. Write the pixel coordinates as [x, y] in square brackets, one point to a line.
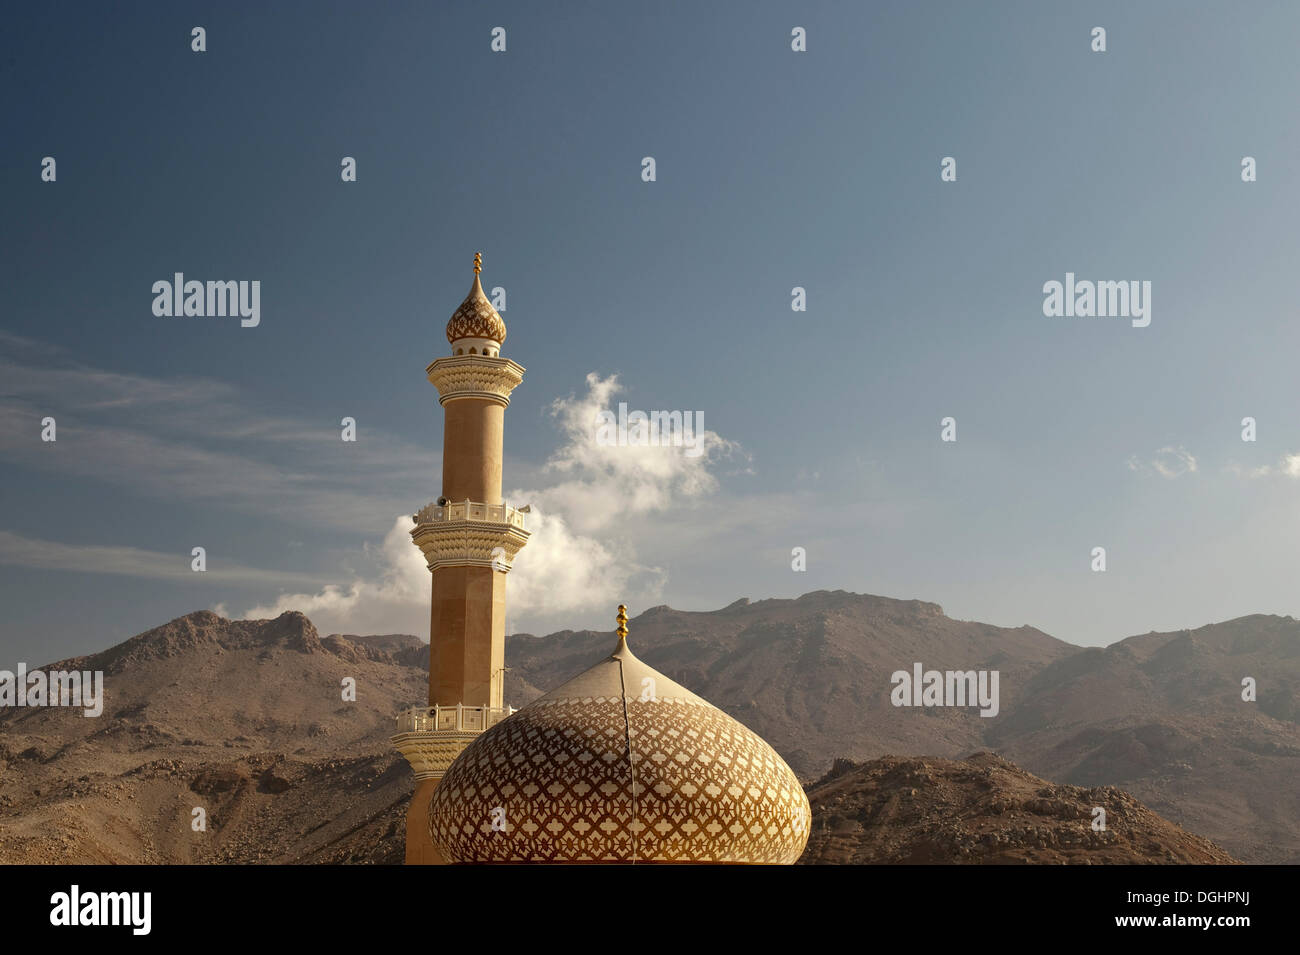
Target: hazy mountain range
[245, 719]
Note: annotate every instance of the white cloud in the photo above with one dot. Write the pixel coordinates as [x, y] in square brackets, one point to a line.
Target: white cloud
[1169, 462]
[18, 550]
[604, 483]
[1287, 466]
[1264, 470]
[561, 571]
[199, 440]
[577, 557]
[394, 600]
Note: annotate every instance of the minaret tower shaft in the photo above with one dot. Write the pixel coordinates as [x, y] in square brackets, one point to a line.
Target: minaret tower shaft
[469, 538]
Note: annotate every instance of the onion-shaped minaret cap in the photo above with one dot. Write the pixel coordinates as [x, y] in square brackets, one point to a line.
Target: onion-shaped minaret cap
[476, 318]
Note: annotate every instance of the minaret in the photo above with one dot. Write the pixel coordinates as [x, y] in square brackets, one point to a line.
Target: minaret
[469, 538]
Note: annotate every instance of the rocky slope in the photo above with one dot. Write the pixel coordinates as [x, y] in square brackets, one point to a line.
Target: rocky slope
[1162, 715]
[243, 719]
[983, 810]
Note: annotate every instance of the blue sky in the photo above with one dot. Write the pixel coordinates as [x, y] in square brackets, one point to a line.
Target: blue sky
[775, 169]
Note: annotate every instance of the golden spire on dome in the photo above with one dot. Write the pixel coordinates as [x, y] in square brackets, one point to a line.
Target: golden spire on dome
[478, 262]
[622, 630]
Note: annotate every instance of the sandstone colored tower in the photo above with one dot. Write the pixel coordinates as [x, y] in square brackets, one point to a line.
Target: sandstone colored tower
[469, 537]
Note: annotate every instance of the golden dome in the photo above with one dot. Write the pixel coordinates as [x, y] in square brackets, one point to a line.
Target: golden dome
[476, 318]
[620, 764]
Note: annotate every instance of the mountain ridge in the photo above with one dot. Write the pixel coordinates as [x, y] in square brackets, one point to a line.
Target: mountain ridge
[1158, 714]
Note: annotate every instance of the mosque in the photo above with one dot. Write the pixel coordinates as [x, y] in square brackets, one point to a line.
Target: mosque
[618, 765]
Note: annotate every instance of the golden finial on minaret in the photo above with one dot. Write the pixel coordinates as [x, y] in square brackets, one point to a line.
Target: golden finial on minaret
[622, 621]
[478, 262]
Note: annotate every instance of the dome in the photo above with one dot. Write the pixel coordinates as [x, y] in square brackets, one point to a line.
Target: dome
[476, 318]
[554, 783]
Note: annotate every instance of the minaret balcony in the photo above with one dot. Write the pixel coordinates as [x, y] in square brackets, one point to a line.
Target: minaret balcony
[458, 718]
[471, 511]
[470, 534]
[431, 737]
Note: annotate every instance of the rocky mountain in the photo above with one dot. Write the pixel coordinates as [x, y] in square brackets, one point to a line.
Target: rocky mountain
[812, 675]
[246, 720]
[1162, 715]
[243, 719]
[983, 810]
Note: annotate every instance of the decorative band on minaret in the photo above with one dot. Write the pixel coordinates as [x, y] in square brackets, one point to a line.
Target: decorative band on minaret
[469, 538]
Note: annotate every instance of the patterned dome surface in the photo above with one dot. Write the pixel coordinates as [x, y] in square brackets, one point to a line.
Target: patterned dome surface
[476, 318]
[554, 782]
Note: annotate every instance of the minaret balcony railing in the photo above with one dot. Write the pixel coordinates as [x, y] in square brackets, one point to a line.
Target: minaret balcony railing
[470, 511]
[451, 719]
